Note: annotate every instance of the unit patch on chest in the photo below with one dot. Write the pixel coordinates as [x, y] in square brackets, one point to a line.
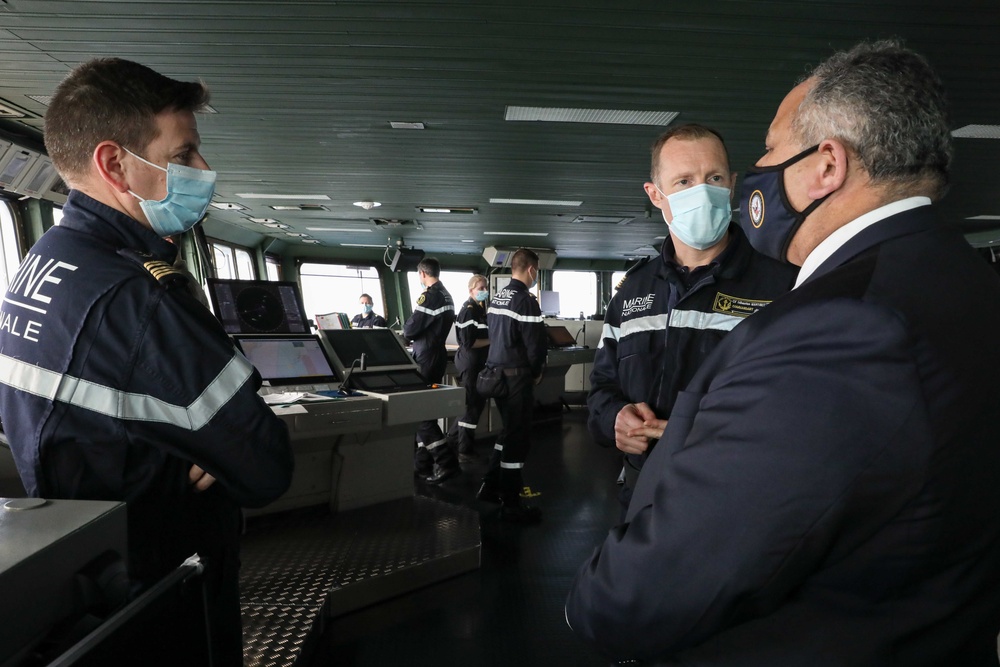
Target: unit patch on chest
[734, 305]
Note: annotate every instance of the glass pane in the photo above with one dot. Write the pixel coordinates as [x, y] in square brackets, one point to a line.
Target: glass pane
[8, 238]
[244, 265]
[616, 278]
[335, 288]
[273, 268]
[456, 282]
[56, 215]
[223, 258]
[577, 292]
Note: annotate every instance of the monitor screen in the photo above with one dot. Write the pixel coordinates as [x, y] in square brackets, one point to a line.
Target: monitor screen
[549, 302]
[258, 306]
[560, 337]
[288, 359]
[382, 348]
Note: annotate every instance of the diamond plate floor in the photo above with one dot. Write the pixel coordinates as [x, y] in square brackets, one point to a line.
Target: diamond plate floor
[510, 611]
[300, 569]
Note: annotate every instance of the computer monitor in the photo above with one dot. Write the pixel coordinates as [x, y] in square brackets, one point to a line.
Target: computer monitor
[388, 366]
[549, 302]
[560, 337]
[258, 306]
[406, 259]
[383, 349]
[282, 360]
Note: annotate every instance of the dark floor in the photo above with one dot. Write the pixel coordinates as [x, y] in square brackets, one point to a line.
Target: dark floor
[510, 612]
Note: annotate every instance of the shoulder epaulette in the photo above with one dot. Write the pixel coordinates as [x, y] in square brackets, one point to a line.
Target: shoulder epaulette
[641, 262]
[165, 273]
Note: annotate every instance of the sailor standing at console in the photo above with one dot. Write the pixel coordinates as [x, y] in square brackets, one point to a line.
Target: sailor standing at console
[428, 328]
[367, 318]
[473, 347]
[518, 345]
[119, 384]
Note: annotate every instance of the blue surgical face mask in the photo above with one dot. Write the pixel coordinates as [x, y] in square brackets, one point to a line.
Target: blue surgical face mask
[701, 215]
[189, 192]
[482, 295]
[766, 216]
[367, 308]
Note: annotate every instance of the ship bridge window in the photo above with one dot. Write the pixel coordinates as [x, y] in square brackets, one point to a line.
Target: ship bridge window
[232, 261]
[456, 282]
[335, 288]
[577, 292]
[10, 257]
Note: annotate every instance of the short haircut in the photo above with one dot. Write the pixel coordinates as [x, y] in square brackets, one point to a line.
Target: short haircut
[886, 104]
[366, 296]
[687, 132]
[430, 266]
[523, 259]
[110, 99]
[476, 279]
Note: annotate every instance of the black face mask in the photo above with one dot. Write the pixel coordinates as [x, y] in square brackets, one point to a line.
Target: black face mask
[766, 217]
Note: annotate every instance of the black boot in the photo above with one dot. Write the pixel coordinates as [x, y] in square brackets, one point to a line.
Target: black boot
[488, 493]
[422, 463]
[442, 472]
[514, 509]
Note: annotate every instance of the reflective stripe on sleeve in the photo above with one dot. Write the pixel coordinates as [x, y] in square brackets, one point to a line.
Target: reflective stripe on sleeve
[436, 312]
[695, 319]
[517, 316]
[640, 324]
[125, 405]
[462, 325]
[609, 332]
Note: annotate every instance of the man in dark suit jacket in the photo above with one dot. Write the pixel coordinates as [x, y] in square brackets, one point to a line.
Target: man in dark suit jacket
[828, 488]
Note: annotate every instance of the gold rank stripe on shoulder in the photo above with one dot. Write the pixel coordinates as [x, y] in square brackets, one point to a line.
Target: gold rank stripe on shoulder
[160, 269]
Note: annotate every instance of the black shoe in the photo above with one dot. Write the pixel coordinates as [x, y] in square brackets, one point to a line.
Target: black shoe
[441, 473]
[512, 509]
[488, 494]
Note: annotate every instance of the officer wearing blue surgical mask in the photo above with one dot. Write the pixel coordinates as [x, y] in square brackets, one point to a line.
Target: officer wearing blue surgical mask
[671, 311]
[186, 441]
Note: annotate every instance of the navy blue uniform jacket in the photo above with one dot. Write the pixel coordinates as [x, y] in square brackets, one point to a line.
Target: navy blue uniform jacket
[828, 489]
[516, 329]
[114, 380]
[428, 327]
[470, 326]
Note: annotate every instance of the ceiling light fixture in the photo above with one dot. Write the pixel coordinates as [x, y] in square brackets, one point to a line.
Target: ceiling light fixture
[228, 206]
[262, 221]
[257, 195]
[362, 245]
[368, 204]
[403, 125]
[536, 202]
[515, 233]
[346, 230]
[467, 210]
[613, 116]
[977, 132]
[299, 207]
[984, 217]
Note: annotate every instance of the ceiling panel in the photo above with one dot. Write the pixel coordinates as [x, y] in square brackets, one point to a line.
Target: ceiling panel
[305, 91]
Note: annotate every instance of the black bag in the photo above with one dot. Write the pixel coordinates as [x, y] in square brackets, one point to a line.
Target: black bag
[491, 383]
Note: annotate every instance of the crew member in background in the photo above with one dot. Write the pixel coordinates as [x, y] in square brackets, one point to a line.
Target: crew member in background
[473, 343]
[367, 318]
[518, 345]
[121, 385]
[428, 328]
[671, 311]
